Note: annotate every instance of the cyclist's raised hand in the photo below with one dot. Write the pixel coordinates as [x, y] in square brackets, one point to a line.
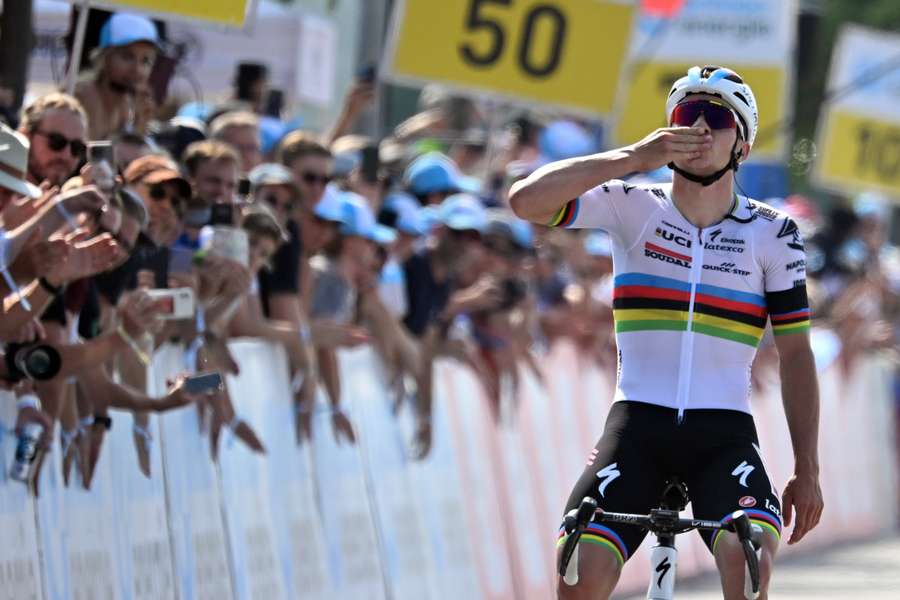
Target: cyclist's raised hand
[670, 143]
[802, 493]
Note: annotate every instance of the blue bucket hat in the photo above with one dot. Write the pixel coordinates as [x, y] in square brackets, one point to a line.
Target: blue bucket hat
[434, 173]
[359, 220]
[462, 212]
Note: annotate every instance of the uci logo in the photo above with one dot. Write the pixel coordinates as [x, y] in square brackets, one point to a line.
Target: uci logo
[671, 237]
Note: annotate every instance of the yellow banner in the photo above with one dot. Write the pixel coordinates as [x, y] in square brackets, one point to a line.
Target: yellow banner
[560, 52]
[225, 12]
[644, 103]
[859, 152]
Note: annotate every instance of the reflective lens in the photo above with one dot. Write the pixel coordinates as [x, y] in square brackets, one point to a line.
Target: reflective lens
[58, 142]
[717, 116]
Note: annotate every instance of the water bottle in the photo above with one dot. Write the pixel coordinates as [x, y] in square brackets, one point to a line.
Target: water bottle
[26, 450]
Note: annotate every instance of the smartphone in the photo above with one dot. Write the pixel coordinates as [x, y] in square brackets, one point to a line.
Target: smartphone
[222, 214]
[102, 156]
[231, 243]
[203, 383]
[370, 164]
[101, 151]
[243, 188]
[178, 303]
[367, 73]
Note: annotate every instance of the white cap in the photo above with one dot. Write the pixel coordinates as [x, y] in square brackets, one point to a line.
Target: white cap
[14, 163]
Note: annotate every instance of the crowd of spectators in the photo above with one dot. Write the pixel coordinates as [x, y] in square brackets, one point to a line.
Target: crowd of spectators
[319, 241]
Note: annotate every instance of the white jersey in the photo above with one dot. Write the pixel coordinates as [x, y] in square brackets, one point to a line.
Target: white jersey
[691, 304]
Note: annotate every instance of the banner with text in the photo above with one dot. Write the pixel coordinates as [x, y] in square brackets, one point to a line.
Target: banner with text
[558, 52]
[755, 38]
[859, 131]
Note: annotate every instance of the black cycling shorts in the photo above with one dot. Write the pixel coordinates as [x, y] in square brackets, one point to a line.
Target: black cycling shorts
[714, 452]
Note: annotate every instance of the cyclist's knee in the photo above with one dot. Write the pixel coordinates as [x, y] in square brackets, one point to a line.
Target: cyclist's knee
[732, 565]
[598, 573]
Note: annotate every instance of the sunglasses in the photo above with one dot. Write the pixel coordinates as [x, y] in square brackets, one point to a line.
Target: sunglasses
[314, 178]
[58, 142]
[159, 193]
[717, 115]
[272, 201]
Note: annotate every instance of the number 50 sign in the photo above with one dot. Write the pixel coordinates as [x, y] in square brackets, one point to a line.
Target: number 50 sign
[560, 52]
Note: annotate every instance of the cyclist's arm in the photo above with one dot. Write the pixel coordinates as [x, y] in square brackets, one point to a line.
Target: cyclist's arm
[800, 394]
[541, 195]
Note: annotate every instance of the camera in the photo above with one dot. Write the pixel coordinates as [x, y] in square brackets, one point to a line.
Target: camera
[179, 302]
[38, 362]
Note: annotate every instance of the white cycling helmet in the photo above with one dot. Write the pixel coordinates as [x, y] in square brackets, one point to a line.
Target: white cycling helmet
[721, 82]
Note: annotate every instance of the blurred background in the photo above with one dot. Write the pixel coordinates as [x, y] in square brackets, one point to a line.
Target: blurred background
[465, 358]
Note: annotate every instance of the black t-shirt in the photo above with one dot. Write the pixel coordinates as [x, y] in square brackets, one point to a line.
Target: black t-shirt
[284, 277]
[426, 297]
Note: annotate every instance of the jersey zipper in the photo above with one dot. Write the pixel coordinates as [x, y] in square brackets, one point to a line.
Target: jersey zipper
[687, 342]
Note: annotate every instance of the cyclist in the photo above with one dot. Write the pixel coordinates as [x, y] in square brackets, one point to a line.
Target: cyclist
[699, 270]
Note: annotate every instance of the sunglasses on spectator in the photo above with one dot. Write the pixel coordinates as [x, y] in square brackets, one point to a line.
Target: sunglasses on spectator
[314, 178]
[58, 142]
[717, 115]
[159, 192]
[272, 200]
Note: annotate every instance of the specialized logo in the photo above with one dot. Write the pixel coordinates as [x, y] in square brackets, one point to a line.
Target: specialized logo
[789, 228]
[672, 237]
[662, 568]
[724, 244]
[607, 475]
[747, 502]
[666, 256]
[743, 471]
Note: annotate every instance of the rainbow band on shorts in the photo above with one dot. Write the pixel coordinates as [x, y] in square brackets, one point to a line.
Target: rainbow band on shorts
[767, 521]
[600, 536]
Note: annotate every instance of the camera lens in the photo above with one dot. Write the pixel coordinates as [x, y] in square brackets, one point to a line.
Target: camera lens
[38, 362]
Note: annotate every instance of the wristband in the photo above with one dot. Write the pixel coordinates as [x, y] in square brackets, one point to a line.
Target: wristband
[53, 290]
[104, 420]
[28, 401]
[85, 423]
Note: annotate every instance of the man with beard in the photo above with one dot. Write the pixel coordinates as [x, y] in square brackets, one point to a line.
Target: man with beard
[56, 126]
[118, 96]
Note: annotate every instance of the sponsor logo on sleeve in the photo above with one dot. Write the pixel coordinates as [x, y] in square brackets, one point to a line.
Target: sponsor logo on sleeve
[659, 193]
[627, 188]
[764, 212]
[789, 228]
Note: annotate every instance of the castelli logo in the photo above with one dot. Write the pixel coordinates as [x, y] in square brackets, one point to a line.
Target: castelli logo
[747, 501]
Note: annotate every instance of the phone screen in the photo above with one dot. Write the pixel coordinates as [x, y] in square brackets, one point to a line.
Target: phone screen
[202, 384]
[370, 163]
[101, 152]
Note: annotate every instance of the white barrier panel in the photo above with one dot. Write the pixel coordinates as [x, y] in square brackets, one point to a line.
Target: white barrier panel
[353, 559]
[476, 520]
[407, 558]
[199, 542]
[20, 570]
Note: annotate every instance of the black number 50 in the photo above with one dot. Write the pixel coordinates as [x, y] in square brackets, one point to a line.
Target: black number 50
[536, 66]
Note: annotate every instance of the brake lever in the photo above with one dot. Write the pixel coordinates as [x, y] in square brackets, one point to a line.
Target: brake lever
[575, 521]
[749, 537]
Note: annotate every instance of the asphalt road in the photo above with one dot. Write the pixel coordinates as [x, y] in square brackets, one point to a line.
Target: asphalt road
[863, 571]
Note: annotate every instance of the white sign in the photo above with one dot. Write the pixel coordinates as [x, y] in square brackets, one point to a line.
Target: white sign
[316, 57]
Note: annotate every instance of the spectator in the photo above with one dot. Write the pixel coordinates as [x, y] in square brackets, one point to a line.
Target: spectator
[117, 96]
[310, 162]
[433, 177]
[128, 147]
[240, 130]
[55, 125]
